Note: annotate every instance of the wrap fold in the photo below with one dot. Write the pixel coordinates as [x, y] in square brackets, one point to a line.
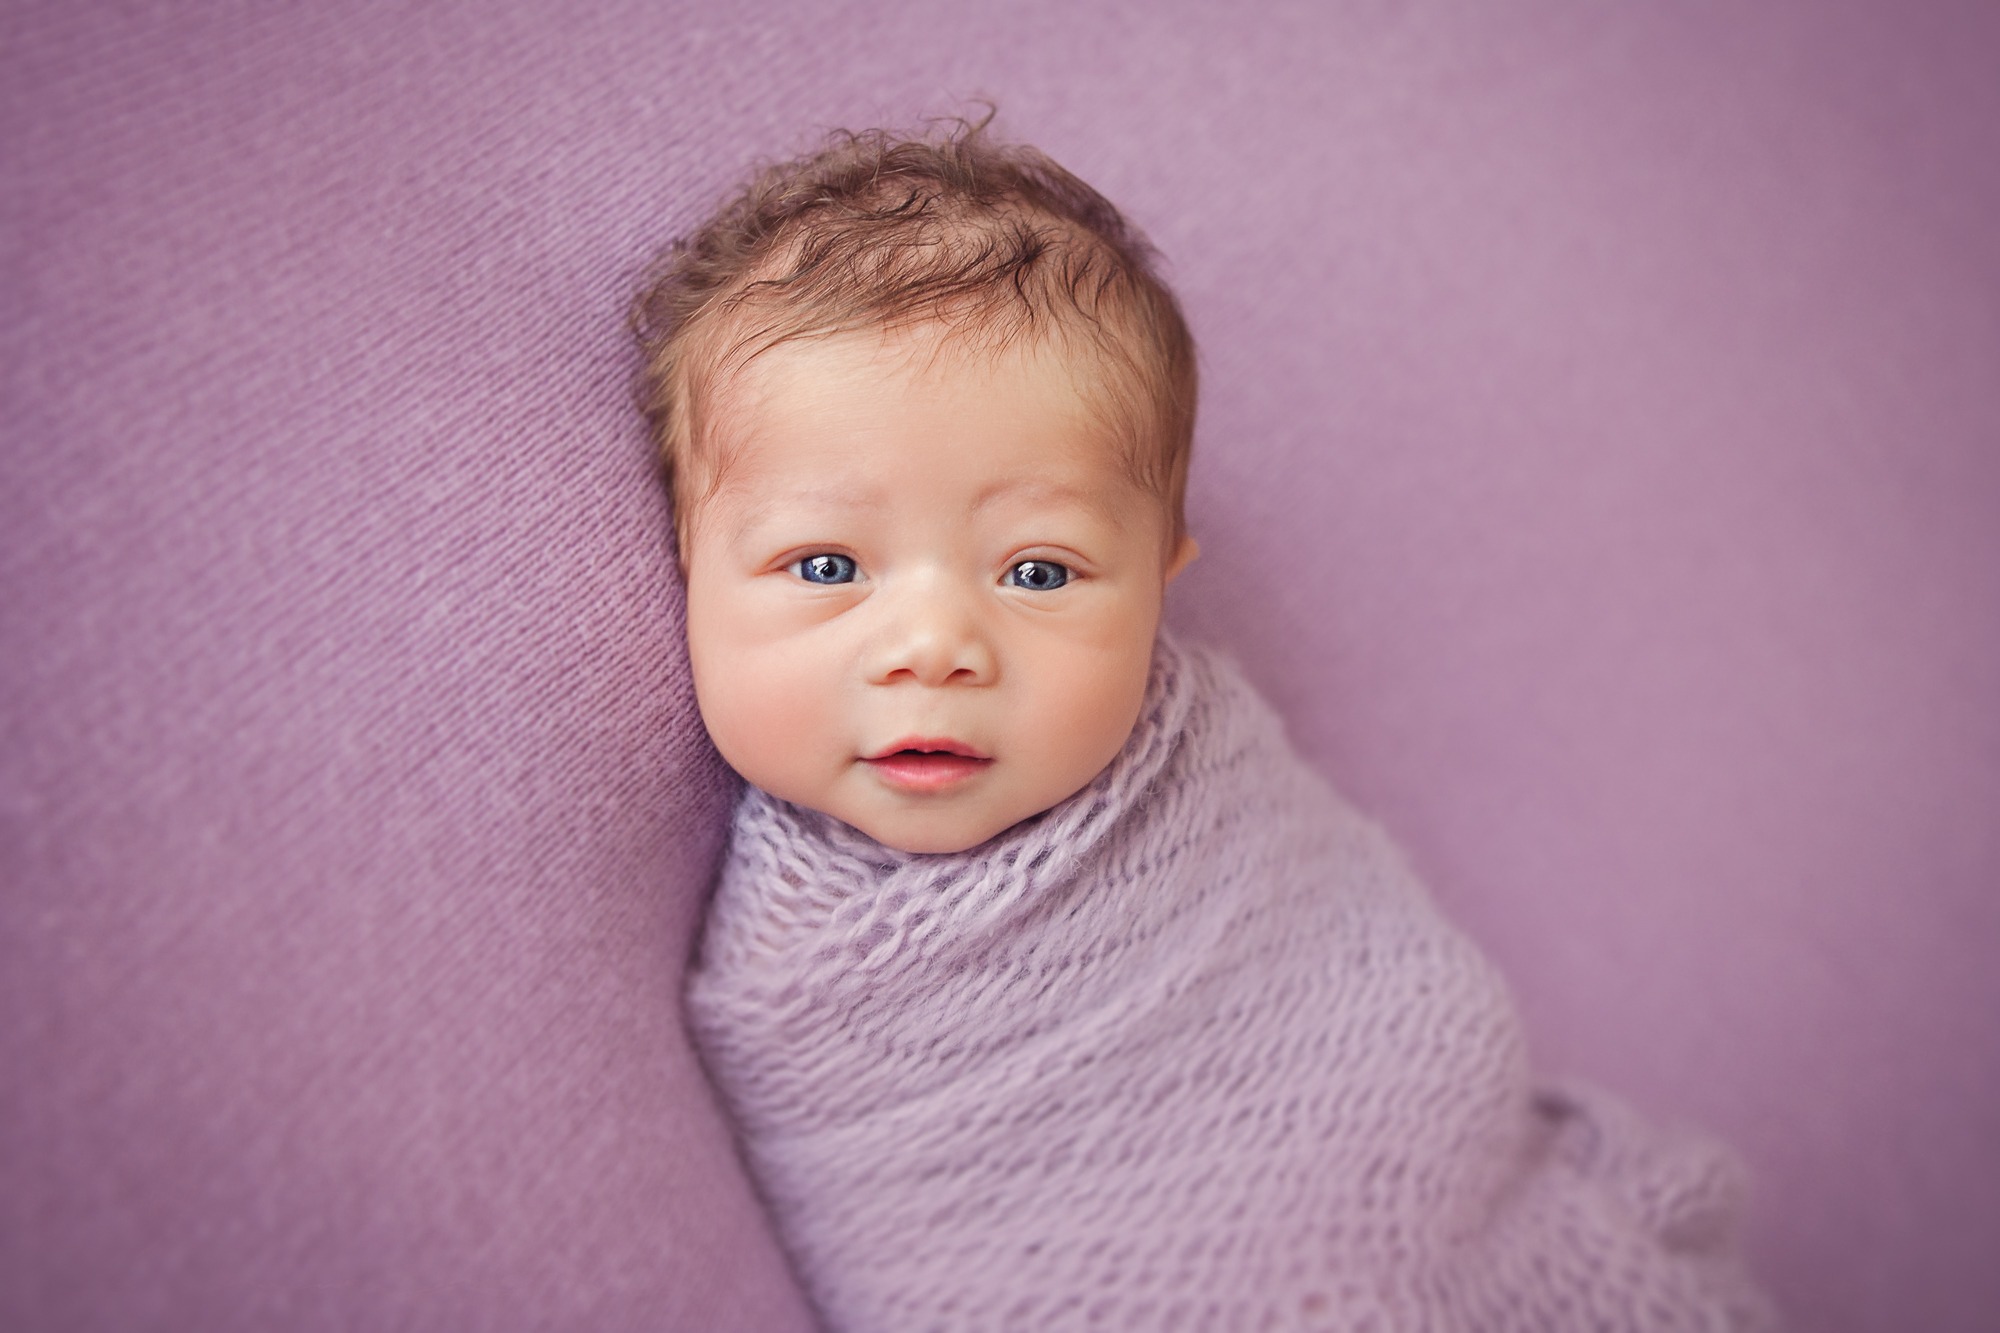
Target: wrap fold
[1193, 1049]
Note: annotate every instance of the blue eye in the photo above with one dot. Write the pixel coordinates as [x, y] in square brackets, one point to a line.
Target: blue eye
[826, 569]
[1038, 575]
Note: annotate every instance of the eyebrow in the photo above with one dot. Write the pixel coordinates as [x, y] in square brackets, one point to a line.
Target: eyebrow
[1087, 497]
[819, 497]
[856, 497]
[826, 505]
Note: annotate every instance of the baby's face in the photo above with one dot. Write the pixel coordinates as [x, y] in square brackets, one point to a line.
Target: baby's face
[923, 599]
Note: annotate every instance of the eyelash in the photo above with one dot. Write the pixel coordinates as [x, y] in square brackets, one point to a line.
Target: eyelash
[841, 569]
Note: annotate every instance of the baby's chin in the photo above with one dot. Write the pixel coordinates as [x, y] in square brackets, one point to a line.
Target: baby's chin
[933, 836]
[936, 827]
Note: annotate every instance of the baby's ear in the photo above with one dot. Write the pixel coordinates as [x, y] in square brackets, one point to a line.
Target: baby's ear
[1184, 553]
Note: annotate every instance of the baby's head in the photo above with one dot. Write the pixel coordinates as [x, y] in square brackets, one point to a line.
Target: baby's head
[925, 412]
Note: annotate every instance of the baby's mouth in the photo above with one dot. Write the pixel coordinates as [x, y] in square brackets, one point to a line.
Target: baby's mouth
[923, 765]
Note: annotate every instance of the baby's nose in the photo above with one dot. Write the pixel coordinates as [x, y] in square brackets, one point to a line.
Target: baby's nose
[934, 634]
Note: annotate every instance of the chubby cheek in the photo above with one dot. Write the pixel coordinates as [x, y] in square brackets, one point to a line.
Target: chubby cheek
[1085, 720]
[770, 714]
[769, 731]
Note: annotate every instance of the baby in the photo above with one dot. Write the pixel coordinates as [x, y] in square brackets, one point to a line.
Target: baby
[1046, 986]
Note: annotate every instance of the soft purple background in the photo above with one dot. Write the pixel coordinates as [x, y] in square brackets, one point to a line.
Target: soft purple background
[1600, 464]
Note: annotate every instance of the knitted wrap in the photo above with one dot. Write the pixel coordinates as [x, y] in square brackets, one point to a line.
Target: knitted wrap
[1192, 1049]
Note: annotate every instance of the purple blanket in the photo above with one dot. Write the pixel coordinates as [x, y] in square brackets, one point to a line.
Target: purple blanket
[1192, 1049]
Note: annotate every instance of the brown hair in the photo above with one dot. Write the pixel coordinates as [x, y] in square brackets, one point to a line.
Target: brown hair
[992, 241]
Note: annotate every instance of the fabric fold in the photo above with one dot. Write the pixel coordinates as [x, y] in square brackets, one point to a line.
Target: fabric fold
[1193, 1049]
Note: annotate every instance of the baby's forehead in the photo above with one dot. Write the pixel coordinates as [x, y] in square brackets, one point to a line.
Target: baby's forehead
[863, 426]
[854, 382]
[761, 370]
[865, 415]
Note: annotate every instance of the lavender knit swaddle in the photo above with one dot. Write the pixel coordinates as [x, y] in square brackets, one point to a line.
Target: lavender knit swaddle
[1192, 1049]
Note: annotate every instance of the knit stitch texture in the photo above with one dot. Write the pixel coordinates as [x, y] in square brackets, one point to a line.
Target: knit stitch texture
[1192, 1049]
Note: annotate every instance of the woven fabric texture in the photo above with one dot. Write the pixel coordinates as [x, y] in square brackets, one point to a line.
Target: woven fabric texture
[1595, 470]
[1191, 1050]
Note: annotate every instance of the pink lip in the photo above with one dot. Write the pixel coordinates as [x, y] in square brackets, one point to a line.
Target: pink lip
[924, 764]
